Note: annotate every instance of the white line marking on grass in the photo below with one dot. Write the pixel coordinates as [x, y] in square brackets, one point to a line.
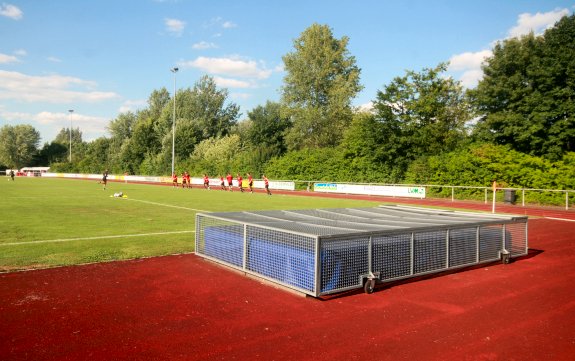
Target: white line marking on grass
[560, 219]
[166, 205]
[92, 238]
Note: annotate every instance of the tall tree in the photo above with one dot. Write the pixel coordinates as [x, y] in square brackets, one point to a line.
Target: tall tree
[202, 112]
[96, 158]
[18, 145]
[527, 95]
[268, 128]
[63, 137]
[321, 80]
[371, 150]
[215, 156]
[143, 144]
[122, 127]
[51, 153]
[420, 114]
[209, 109]
[158, 100]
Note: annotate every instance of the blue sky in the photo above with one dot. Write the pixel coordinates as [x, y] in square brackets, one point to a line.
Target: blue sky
[103, 57]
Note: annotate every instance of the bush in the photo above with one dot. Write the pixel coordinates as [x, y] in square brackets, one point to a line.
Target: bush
[480, 165]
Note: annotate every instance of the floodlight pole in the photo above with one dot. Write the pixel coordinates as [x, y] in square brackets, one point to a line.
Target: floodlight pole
[174, 70]
[71, 111]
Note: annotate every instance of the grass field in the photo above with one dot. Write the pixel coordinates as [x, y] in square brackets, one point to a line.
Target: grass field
[48, 222]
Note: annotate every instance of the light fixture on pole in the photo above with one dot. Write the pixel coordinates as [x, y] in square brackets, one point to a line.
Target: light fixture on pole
[71, 111]
[174, 70]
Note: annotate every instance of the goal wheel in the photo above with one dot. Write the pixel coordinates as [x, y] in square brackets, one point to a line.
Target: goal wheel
[369, 286]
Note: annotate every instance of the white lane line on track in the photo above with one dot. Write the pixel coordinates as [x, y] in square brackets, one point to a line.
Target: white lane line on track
[560, 219]
[92, 238]
[165, 205]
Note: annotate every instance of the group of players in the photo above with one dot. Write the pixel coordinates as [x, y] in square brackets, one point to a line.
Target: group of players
[186, 182]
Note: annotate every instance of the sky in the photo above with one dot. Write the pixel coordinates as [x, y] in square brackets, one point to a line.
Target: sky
[101, 58]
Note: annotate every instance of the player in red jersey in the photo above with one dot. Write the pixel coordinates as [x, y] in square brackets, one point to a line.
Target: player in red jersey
[240, 179]
[267, 185]
[250, 183]
[174, 180]
[184, 180]
[189, 180]
[230, 180]
[222, 184]
[206, 182]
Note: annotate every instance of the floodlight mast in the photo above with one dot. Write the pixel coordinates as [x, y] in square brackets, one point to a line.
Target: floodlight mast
[174, 70]
[71, 111]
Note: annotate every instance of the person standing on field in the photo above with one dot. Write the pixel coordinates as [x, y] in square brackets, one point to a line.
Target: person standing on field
[240, 180]
[222, 184]
[206, 182]
[105, 178]
[184, 180]
[12, 174]
[250, 183]
[230, 180]
[174, 180]
[267, 185]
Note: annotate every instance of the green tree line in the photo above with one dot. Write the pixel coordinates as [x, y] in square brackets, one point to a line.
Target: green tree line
[517, 126]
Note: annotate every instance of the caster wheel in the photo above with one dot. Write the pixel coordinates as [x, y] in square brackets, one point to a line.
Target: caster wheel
[369, 286]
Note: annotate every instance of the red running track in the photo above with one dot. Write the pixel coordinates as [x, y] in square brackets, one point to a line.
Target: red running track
[185, 308]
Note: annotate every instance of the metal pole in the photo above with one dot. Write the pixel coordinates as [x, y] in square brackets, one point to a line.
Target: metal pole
[494, 192]
[523, 197]
[174, 70]
[566, 200]
[452, 194]
[71, 111]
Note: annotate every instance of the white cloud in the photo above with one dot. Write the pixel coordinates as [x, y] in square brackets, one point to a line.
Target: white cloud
[468, 60]
[537, 23]
[241, 96]
[469, 65]
[12, 116]
[470, 78]
[232, 83]
[367, 107]
[220, 22]
[6, 59]
[11, 11]
[20, 52]
[53, 59]
[229, 66]
[90, 126]
[175, 26]
[55, 89]
[132, 105]
[87, 122]
[204, 45]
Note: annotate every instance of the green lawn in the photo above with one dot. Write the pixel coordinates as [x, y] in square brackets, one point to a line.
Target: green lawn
[51, 222]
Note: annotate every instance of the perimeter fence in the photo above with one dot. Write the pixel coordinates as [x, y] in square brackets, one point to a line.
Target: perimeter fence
[523, 196]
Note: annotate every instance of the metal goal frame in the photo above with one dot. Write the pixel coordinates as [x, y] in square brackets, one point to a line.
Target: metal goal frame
[325, 251]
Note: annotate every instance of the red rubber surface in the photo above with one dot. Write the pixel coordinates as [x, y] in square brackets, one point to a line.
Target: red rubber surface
[185, 308]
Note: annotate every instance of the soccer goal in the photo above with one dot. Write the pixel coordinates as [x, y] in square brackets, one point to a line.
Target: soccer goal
[324, 251]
